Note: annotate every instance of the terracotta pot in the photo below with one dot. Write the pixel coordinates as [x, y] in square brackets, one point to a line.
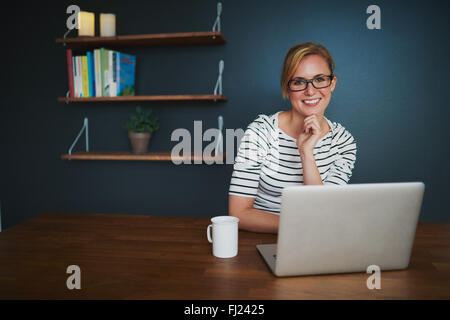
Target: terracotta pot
[139, 142]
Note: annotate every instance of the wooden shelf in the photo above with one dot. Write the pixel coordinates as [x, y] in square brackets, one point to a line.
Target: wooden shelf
[127, 155]
[184, 38]
[180, 97]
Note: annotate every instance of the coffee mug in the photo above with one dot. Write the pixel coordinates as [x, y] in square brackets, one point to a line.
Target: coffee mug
[224, 236]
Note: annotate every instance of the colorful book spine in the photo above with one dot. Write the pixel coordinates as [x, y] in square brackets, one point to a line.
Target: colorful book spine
[78, 78]
[75, 79]
[70, 72]
[111, 74]
[104, 71]
[114, 76]
[90, 62]
[80, 75]
[126, 74]
[118, 73]
[98, 78]
[85, 76]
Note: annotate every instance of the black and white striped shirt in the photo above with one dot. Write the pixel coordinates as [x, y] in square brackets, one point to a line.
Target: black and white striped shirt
[268, 160]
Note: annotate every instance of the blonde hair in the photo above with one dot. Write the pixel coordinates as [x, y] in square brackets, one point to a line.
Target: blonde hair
[293, 58]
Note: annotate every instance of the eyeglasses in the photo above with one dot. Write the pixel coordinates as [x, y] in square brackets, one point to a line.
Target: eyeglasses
[319, 82]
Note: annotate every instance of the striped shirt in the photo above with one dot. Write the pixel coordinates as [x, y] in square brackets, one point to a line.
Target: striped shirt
[268, 160]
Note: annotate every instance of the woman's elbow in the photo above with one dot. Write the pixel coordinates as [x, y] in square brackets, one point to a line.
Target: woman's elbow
[235, 213]
[237, 205]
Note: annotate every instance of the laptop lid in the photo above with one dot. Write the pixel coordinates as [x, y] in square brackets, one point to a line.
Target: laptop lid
[336, 229]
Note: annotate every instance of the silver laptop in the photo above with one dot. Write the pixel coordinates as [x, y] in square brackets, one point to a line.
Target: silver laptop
[340, 229]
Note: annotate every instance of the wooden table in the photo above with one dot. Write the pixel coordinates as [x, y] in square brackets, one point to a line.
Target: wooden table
[148, 257]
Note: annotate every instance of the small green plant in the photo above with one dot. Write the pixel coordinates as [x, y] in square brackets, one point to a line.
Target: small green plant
[142, 121]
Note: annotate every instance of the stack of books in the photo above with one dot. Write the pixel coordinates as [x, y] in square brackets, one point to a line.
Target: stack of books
[101, 73]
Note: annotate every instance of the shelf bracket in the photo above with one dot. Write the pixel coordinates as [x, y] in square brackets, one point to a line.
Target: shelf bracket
[218, 86]
[216, 26]
[65, 36]
[84, 128]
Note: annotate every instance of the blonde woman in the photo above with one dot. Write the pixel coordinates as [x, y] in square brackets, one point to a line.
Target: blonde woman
[297, 146]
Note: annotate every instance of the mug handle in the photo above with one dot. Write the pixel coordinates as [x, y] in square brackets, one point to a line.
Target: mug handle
[208, 233]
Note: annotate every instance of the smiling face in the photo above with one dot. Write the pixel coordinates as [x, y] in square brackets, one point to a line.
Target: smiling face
[311, 100]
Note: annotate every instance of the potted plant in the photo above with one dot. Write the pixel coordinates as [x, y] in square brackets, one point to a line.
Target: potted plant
[140, 126]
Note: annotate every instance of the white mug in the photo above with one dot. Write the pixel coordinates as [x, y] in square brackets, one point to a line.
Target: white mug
[224, 236]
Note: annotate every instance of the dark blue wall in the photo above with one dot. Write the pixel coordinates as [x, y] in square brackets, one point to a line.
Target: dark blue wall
[392, 95]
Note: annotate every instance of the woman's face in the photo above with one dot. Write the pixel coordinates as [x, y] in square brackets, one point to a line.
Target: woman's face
[311, 100]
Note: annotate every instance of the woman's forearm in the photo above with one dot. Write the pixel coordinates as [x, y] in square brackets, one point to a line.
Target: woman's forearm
[258, 221]
[311, 175]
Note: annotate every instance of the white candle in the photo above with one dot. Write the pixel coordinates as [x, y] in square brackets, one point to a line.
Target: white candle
[107, 25]
[86, 23]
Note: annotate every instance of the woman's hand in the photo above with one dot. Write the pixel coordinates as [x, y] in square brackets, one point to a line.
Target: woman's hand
[311, 134]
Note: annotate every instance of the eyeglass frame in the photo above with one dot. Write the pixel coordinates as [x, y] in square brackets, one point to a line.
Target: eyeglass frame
[308, 81]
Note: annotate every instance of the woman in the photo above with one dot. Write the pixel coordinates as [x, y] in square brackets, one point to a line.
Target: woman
[297, 146]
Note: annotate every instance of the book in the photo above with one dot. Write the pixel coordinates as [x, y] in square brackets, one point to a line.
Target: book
[125, 74]
[80, 76]
[112, 74]
[104, 71]
[78, 79]
[97, 72]
[85, 77]
[70, 72]
[75, 79]
[91, 77]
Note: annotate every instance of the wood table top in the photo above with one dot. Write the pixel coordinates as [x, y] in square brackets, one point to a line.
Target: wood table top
[151, 257]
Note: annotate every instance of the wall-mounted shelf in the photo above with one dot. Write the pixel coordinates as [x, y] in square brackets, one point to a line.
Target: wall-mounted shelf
[126, 155]
[214, 37]
[196, 97]
[145, 40]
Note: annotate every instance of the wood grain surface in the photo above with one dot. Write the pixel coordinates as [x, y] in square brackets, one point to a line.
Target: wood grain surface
[151, 257]
[142, 40]
[140, 98]
[149, 156]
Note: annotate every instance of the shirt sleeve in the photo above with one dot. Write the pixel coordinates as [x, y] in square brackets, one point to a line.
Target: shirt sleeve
[341, 169]
[249, 160]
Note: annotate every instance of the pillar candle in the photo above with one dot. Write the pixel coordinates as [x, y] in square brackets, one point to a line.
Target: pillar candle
[86, 23]
[107, 25]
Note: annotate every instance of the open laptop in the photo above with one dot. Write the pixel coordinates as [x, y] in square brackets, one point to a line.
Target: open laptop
[342, 229]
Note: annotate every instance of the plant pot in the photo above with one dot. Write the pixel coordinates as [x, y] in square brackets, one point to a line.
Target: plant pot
[139, 142]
